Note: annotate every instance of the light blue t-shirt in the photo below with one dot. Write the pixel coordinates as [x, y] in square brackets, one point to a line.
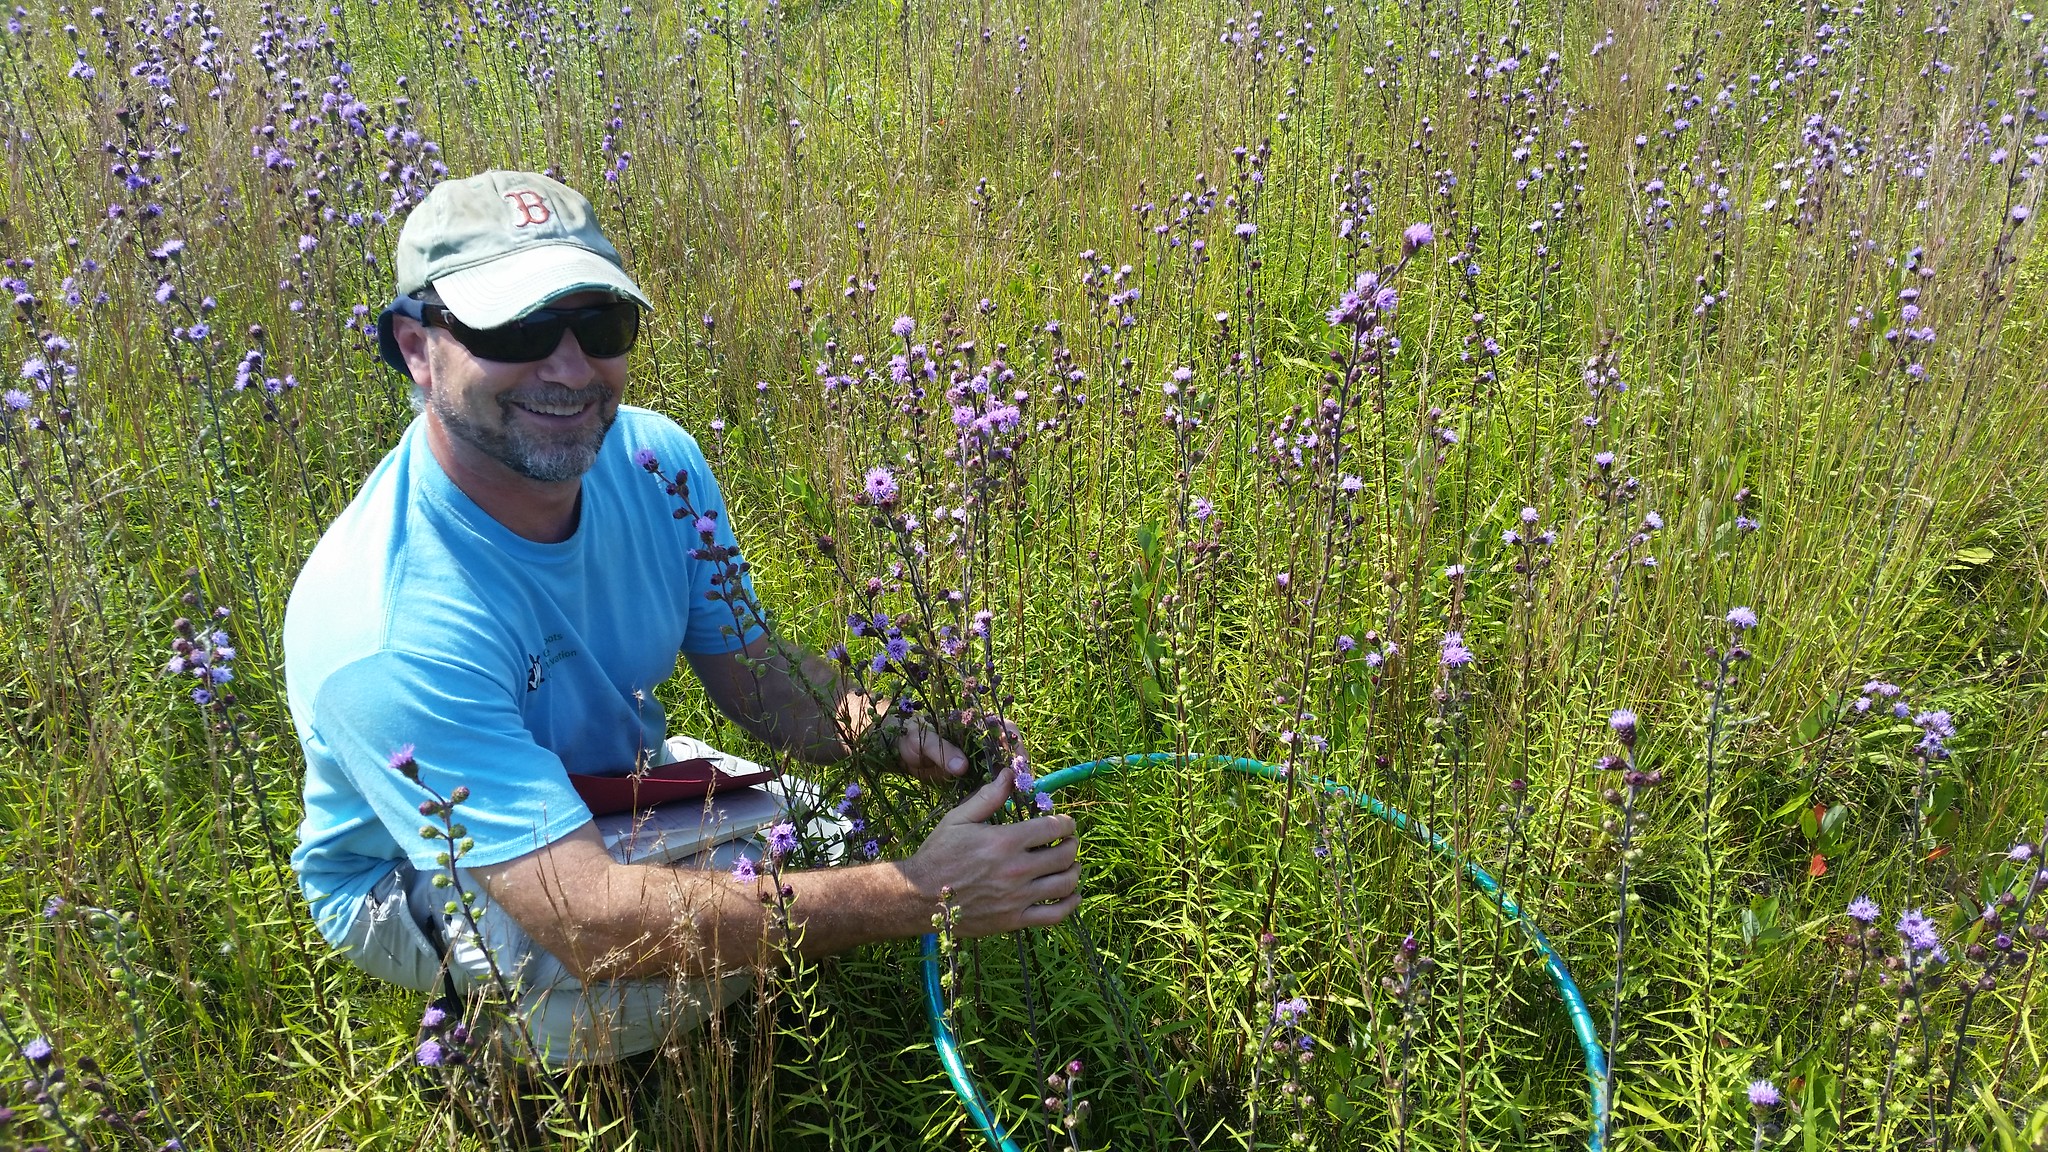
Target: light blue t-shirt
[505, 663]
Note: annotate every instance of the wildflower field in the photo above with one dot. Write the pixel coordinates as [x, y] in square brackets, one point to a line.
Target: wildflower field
[1613, 435]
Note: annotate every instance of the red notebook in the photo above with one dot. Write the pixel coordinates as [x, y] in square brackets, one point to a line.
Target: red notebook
[682, 780]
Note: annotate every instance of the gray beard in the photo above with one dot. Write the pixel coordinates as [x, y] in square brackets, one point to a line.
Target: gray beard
[547, 461]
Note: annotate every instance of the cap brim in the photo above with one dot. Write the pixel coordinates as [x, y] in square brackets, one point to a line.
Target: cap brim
[500, 291]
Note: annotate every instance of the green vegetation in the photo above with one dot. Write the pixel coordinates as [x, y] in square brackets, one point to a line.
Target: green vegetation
[1776, 259]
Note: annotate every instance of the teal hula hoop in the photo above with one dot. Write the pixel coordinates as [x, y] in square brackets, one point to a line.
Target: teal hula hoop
[1567, 989]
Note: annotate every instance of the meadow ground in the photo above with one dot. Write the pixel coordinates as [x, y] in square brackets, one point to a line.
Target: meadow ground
[1613, 433]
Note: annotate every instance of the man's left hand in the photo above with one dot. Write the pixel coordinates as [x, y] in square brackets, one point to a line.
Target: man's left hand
[922, 753]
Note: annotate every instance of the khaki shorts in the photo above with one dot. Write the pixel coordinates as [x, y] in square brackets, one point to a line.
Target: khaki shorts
[402, 926]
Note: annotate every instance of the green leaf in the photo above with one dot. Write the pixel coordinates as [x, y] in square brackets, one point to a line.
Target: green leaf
[1148, 542]
[1808, 826]
[1947, 824]
[1803, 800]
[1969, 558]
[1946, 794]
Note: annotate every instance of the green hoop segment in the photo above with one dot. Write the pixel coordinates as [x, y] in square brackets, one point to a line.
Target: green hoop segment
[1567, 989]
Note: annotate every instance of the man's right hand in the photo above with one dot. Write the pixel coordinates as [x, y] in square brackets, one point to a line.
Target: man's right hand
[1002, 876]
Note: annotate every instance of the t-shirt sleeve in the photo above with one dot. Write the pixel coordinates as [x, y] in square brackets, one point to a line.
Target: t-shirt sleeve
[713, 626]
[463, 729]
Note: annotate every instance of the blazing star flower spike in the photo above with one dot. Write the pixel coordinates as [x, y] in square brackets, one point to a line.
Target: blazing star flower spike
[1623, 722]
[879, 487]
[1918, 931]
[1452, 652]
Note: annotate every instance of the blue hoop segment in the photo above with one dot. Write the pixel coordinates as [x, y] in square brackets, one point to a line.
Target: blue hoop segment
[1567, 989]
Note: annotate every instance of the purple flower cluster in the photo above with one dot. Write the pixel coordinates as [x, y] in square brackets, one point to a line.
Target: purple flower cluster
[858, 835]
[207, 655]
[1452, 652]
[445, 1039]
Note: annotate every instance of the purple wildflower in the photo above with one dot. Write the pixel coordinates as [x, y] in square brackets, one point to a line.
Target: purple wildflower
[434, 1017]
[37, 1050]
[16, 400]
[903, 327]
[1918, 931]
[1452, 651]
[430, 1054]
[1763, 1094]
[645, 458]
[1417, 235]
[743, 870]
[879, 487]
[1864, 910]
[782, 839]
[1623, 721]
[1936, 724]
[1741, 619]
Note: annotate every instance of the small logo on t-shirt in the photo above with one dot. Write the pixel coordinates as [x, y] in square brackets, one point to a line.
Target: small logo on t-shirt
[537, 665]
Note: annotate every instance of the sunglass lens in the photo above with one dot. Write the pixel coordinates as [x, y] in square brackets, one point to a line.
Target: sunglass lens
[609, 331]
[603, 332]
[524, 342]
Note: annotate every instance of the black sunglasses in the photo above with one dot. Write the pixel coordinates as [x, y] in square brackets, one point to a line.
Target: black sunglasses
[603, 332]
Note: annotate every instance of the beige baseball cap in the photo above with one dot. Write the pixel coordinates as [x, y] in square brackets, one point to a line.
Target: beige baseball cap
[498, 245]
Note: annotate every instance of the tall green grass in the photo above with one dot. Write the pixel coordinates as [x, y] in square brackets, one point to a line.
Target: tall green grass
[939, 155]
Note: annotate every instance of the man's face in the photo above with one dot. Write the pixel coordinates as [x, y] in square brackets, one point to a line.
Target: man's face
[544, 420]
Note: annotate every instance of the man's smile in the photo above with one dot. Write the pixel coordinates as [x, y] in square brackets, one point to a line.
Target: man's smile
[556, 411]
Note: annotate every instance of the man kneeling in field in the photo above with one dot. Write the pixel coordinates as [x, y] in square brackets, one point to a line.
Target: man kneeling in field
[502, 597]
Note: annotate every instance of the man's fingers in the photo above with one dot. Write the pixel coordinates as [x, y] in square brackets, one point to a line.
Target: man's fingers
[1057, 886]
[1054, 860]
[923, 752]
[919, 746]
[1044, 915]
[985, 803]
[1042, 830]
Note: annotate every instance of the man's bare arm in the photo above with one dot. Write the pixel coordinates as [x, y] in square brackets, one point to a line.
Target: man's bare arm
[795, 701]
[605, 920]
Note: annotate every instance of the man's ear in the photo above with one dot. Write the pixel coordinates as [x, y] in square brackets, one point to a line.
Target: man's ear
[412, 340]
